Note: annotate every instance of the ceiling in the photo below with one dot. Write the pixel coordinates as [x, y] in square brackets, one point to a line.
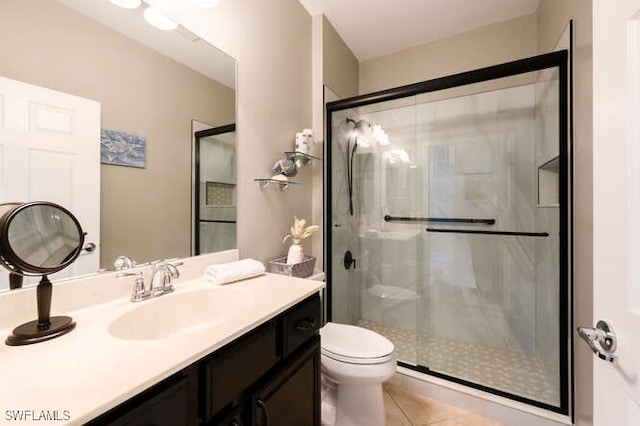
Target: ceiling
[181, 45]
[373, 28]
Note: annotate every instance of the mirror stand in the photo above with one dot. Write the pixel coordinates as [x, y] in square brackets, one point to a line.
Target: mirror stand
[45, 327]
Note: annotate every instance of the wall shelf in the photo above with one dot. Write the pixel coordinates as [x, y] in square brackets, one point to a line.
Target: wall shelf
[301, 160]
[548, 183]
[282, 184]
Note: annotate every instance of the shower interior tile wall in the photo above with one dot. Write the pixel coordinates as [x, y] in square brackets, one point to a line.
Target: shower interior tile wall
[476, 168]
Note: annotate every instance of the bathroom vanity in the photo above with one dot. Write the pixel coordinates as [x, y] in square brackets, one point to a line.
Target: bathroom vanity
[271, 375]
[243, 353]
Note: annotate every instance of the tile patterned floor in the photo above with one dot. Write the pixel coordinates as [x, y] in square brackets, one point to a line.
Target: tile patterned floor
[505, 370]
[405, 408]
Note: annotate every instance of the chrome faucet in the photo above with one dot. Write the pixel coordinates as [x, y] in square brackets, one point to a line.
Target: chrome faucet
[164, 272]
[160, 270]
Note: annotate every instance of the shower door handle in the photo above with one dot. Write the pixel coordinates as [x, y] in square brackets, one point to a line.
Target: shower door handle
[601, 339]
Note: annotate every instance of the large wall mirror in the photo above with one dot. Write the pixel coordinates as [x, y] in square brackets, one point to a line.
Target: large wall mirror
[155, 90]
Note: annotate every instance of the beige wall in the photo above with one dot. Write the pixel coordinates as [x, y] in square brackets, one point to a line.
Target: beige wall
[490, 45]
[340, 65]
[336, 68]
[145, 213]
[553, 15]
[271, 40]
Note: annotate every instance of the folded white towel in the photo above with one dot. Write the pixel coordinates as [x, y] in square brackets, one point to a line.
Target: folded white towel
[224, 273]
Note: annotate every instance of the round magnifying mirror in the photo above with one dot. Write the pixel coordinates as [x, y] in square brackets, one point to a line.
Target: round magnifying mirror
[39, 238]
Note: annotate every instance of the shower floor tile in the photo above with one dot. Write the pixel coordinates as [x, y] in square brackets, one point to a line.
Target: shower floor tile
[499, 369]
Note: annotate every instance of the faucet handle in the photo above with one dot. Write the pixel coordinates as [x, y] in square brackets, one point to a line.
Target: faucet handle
[139, 292]
[165, 271]
[173, 269]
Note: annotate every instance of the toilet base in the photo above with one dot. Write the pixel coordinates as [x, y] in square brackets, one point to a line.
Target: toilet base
[360, 405]
[328, 405]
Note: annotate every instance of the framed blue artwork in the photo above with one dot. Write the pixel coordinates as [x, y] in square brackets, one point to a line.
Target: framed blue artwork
[122, 149]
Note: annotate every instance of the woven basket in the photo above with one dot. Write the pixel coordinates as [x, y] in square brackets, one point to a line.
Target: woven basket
[300, 270]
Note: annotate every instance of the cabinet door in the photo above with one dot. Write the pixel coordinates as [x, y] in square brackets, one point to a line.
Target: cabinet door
[235, 368]
[170, 406]
[292, 397]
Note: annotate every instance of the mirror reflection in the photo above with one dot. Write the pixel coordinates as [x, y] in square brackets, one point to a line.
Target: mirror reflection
[215, 189]
[86, 81]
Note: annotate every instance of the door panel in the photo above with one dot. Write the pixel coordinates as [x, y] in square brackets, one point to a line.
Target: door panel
[616, 201]
[50, 150]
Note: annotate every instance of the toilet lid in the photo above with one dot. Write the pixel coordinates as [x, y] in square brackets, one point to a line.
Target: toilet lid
[351, 342]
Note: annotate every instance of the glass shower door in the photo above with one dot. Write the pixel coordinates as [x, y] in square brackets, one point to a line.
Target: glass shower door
[490, 312]
[449, 226]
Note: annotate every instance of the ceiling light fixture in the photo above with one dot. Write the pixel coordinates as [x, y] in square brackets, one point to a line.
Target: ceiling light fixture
[127, 4]
[154, 17]
[207, 3]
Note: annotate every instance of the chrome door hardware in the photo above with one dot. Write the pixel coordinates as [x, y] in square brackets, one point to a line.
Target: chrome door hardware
[601, 339]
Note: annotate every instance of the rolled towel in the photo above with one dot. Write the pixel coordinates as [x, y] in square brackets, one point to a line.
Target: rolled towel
[224, 273]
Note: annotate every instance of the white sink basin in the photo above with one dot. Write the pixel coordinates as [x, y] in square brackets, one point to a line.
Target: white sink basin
[181, 313]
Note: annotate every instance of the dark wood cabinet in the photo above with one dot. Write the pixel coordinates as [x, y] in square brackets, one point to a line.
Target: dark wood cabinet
[290, 397]
[169, 403]
[227, 373]
[269, 376]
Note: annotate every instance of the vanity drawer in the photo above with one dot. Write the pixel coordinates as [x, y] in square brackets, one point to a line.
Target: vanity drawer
[300, 323]
[228, 373]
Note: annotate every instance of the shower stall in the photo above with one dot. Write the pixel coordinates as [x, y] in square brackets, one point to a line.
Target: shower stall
[448, 225]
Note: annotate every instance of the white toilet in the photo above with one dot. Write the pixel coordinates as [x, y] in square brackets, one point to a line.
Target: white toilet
[355, 361]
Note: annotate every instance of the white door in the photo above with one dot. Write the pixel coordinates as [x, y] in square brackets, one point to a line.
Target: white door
[50, 151]
[616, 154]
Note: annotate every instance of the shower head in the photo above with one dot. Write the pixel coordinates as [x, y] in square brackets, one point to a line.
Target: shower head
[358, 133]
[359, 125]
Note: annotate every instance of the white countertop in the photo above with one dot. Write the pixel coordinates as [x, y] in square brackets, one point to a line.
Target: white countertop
[88, 371]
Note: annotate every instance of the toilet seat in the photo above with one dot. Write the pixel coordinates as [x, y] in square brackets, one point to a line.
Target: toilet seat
[359, 361]
[355, 345]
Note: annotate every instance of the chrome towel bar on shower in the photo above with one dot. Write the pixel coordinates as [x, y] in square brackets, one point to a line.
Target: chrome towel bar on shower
[473, 231]
[389, 218]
